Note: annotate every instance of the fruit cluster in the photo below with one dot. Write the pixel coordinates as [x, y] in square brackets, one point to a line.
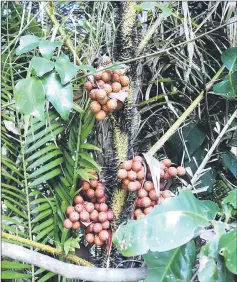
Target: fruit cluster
[91, 212]
[135, 179]
[100, 88]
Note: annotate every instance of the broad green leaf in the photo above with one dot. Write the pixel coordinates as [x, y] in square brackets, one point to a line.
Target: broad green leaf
[60, 96]
[14, 265]
[87, 67]
[14, 275]
[231, 199]
[65, 69]
[228, 86]
[47, 48]
[183, 215]
[83, 173]
[30, 97]
[88, 158]
[41, 65]
[47, 276]
[228, 248]
[166, 11]
[167, 266]
[90, 147]
[229, 160]
[43, 225]
[27, 43]
[229, 58]
[43, 233]
[46, 177]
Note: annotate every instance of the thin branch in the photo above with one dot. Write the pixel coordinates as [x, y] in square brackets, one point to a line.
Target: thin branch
[183, 117]
[46, 248]
[213, 147]
[72, 271]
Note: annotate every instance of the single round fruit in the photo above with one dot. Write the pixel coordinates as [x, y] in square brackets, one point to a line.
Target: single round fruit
[132, 175]
[125, 181]
[138, 159]
[137, 212]
[99, 193]
[172, 171]
[136, 166]
[76, 225]
[100, 186]
[132, 186]
[89, 207]
[88, 86]
[142, 193]
[103, 101]
[145, 202]
[166, 176]
[100, 94]
[69, 210]
[110, 214]
[115, 77]
[102, 217]
[97, 227]
[112, 104]
[122, 173]
[105, 225]
[118, 71]
[140, 175]
[67, 223]
[93, 183]
[90, 238]
[107, 88]
[181, 171]
[116, 86]
[167, 162]
[104, 235]
[84, 216]
[167, 194]
[100, 84]
[74, 216]
[106, 77]
[85, 186]
[127, 165]
[139, 185]
[95, 107]
[153, 196]
[98, 75]
[101, 200]
[98, 242]
[79, 208]
[124, 80]
[90, 193]
[78, 199]
[94, 215]
[103, 207]
[148, 186]
[92, 94]
[148, 210]
[101, 115]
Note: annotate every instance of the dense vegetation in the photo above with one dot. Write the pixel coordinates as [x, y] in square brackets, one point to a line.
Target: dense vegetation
[119, 137]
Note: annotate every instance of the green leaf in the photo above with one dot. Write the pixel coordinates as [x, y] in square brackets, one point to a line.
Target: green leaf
[14, 265]
[83, 173]
[90, 147]
[229, 160]
[229, 58]
[88, 158]
[183, 215]
[14, 275]
[228, 86]
[67, 245]
[30, 97]
[227, 248]
[27, 43]
[87, 67]
[166, 11]
[47, 48]
[65, 68]
[47, 276]
[174, 265]
[41, 65]
[46, 177]
[231, 199]
[60, 96]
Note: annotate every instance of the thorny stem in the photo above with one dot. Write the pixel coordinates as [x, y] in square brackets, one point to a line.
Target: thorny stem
[46, 248]
[184, 116]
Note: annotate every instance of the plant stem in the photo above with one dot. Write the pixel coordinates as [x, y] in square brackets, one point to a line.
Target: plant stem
[209, 154]
[184, 116]
[46, 248]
